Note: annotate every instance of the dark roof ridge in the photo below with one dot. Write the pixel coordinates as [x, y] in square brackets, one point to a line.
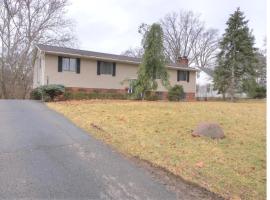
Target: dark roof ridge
[94, 54]
[84, 51]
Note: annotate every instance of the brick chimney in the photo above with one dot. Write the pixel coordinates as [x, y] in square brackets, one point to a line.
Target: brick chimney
[182, 60]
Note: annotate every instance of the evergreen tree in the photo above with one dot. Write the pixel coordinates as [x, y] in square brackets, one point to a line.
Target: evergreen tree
[256, 88]
[261, 69]
[237, 57]
[221, 80]
[153, 63]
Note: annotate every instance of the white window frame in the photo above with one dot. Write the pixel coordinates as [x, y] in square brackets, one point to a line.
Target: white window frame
[69, 68]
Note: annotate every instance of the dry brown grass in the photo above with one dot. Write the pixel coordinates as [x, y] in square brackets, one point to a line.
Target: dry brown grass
[160, 132]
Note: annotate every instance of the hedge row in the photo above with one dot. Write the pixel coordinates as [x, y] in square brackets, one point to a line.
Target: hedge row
[94, 95]
[53, 91]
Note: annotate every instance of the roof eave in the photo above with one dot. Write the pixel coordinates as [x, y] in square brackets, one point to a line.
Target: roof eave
[110, 59]
[183, 68]
[93, 57]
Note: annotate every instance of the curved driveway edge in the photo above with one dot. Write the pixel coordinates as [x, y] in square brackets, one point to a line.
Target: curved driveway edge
[43, 155]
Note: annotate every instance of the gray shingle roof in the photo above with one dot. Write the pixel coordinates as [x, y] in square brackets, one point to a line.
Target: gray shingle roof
[106, 56]
[208, 71]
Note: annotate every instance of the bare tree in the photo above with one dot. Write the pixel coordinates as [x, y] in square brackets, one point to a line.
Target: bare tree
[261, 64]
[185, 35]
[205, 49]
[133, 52]
[264, 47]
[138, 51]
[24, 23]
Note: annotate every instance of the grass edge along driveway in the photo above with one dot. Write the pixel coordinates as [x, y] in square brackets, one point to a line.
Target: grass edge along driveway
[159, 132]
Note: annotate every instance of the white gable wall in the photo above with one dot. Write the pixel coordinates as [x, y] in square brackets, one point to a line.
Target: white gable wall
[205, 86]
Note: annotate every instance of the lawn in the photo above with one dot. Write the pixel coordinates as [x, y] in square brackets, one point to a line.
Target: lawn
[160, 132]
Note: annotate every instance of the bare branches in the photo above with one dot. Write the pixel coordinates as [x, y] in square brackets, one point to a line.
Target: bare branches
[185, 35]
[24, 23]
[134, 52]
[205, 48]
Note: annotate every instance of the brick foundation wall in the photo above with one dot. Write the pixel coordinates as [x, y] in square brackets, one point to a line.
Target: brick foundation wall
[164, 95]
[97, 90]
[190, 97]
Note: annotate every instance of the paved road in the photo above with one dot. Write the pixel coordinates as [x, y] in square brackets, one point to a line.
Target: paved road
[43, 155]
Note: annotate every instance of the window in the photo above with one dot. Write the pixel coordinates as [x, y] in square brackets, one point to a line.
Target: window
[69, 64]
[208, 88]
[106, 68]
[197, 88]
[72, 64]
[182, 75]
[130, 90]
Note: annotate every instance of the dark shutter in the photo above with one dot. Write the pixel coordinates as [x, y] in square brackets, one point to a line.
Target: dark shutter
[98, 67]
[187, 76]
[60, 64]
[114, 69]
[178, 75]
[78, 66]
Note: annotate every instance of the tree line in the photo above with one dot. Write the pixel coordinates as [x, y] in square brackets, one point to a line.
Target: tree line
[23, 24]
[238, 66]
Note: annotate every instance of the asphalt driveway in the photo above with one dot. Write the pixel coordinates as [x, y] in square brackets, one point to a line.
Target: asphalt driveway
[43, 155]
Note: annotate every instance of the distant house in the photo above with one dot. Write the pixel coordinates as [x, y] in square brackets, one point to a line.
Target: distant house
[205, 84]
[88, 71]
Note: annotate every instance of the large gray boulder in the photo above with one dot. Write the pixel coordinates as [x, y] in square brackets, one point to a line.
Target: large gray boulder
[212, 130]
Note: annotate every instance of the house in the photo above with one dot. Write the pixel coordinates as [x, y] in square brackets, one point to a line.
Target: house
[205, 84]
[88, 71]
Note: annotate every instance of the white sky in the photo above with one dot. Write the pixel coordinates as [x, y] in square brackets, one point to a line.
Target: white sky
[111, 26]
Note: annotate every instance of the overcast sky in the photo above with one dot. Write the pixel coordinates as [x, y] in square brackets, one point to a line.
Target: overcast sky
[111, 26]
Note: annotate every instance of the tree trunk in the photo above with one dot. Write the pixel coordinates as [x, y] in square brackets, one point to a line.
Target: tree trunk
[3, 85]
[232, 87]
[223, 96]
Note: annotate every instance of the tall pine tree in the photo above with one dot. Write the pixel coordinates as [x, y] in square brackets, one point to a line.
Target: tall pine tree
[153, 63]
[237, 57]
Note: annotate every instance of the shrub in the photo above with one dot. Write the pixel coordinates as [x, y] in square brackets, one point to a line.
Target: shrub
[36, 94]
[253, 89]
[94, 95]
[151, 96]
[53, 90]
[47, 92]
[260, 92]
[176, 93]
[67, 95]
